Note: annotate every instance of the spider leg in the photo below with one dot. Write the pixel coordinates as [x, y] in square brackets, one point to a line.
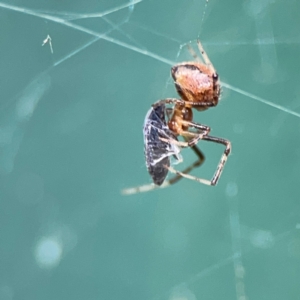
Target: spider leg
[201, 104]
[224, 156]
[205, 56]
[188, 176]
[219, 169]
[166, 183]
[197, 163]
[143, 188]
[191, 138]
[168, 101]
[193, 53]
[183, 102]
[201, 131]
[175, 142]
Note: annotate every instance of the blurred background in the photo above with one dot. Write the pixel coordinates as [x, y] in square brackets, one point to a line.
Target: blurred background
[71, 116]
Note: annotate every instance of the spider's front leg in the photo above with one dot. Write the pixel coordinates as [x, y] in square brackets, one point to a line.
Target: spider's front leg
[194, 137]
[224, 156]
[191, 138]
[167, 101]
[219, 169]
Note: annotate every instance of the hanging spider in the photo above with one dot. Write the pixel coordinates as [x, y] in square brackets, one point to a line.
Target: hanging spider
[160, 144]
[198, 85]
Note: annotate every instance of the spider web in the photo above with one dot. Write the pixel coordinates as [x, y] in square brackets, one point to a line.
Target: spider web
[69, 118]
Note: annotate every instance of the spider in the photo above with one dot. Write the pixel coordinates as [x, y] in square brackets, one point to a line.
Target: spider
[198, 86]
[160, 143]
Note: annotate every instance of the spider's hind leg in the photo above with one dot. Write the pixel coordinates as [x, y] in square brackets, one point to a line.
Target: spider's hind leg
[171, 181]
[219, 169]
[197, 163]
[224, 156]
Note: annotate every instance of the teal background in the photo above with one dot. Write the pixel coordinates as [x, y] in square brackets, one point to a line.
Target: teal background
[71, 140]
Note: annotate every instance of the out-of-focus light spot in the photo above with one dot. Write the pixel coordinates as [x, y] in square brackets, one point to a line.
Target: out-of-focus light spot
[298, 226]
[12, 129]
[48, 252]
[231, 189]
[6, 293]
[262, 239]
